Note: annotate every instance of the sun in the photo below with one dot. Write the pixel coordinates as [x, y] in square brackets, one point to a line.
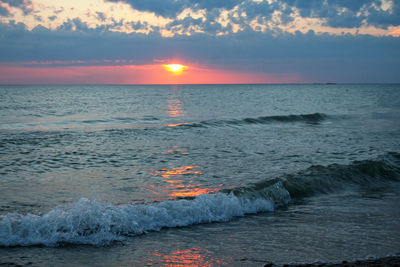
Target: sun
[175, 68]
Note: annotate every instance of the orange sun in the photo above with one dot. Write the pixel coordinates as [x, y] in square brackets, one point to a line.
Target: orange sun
[175, 68]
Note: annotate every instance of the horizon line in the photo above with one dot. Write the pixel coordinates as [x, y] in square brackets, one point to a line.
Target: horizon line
[177, 84]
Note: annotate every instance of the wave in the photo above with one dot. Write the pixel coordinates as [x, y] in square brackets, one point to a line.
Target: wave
[149, 122]
[95, 223]
[308, 118]
[313, 118]
[318, 179]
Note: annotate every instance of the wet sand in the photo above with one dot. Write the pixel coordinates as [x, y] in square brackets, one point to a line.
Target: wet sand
[382, 262]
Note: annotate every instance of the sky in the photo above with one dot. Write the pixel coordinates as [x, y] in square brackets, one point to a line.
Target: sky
[218, 41]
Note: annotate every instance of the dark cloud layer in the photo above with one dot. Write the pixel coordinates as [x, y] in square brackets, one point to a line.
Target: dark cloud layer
[341, 13]
[18, 3]
[3, 11]
[170, 8]
[14, 2]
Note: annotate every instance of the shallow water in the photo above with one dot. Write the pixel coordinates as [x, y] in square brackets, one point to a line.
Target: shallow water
[254, 172]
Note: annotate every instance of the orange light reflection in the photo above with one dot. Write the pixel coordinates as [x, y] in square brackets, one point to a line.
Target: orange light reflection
[189, 257]
[192, 192]
[180, 182]
[176, 124]
[175, 108]
[176, 172]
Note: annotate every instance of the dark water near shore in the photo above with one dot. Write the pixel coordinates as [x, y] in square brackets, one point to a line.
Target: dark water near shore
[198, 174]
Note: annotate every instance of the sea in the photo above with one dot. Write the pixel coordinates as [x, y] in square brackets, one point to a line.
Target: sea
[198, 175]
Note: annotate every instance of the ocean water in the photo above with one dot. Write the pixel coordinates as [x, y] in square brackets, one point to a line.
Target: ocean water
[201, 175]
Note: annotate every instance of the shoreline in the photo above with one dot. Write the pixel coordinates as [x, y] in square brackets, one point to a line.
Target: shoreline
[384, 262]
[389, 261]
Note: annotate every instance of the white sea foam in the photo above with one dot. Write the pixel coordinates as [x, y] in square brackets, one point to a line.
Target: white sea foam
[92, 222]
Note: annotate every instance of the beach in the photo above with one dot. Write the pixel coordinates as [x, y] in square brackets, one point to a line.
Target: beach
[382, 262]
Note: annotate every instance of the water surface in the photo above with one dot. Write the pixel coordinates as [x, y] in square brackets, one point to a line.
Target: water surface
[108, 175]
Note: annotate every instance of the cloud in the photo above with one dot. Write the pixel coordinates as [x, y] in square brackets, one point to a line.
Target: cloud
[171, 8]
[186, 17]
[24, 5]
[4, 11]
[16, 3]
[102, 16]
[167, 8]
[386, 15]
[338, 13]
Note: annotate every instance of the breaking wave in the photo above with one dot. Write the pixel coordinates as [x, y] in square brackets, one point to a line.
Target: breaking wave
[95, 223]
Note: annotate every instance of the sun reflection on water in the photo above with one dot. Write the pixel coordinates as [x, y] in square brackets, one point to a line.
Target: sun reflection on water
[177, 172]
[176, 124]
[175, 108]
[179, 182]
[188, 257]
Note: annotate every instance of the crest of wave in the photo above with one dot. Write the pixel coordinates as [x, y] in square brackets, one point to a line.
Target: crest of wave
[96, 223]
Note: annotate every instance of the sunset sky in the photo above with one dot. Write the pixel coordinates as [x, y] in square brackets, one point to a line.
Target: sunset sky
[218, 41]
